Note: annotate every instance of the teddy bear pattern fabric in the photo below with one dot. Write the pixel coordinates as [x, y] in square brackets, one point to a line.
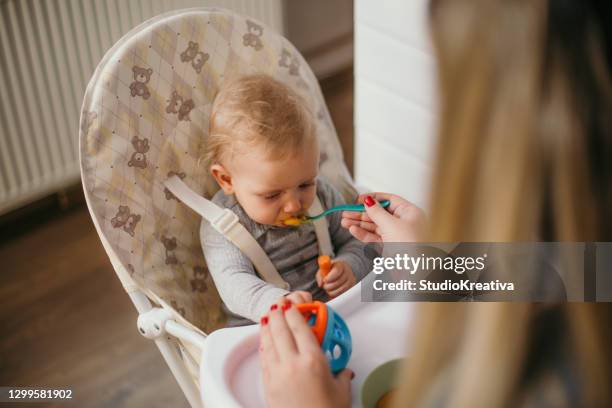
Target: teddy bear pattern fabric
[145, 118]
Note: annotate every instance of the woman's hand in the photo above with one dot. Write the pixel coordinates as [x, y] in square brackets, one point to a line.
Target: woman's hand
[295, 371]
[402, 221]
[339, 279]
[297, 297]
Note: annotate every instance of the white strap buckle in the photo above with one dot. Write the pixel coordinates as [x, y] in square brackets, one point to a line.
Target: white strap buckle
[225, 221]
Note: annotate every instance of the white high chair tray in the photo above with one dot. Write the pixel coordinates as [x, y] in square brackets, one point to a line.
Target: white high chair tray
[230, 374]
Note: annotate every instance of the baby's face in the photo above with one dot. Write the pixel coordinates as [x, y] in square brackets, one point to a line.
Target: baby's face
[270, 191]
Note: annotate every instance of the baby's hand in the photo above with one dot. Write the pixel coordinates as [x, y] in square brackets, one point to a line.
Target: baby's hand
[297, 297]
[339, 279]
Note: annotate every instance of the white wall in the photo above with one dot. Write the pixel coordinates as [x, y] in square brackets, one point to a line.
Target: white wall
[394, 97]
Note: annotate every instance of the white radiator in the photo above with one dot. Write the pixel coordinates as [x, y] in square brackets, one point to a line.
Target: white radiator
[48, 50]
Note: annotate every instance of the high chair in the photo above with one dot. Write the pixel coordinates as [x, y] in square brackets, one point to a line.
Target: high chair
[144, 122]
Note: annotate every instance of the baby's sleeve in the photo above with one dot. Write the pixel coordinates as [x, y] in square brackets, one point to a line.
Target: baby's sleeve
[347, 247]
[242, 291]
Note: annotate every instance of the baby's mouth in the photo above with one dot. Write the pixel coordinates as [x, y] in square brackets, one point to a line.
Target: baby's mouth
[294, 221]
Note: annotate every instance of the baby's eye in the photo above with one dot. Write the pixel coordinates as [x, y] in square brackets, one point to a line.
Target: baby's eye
[306, 185]
[272, 196]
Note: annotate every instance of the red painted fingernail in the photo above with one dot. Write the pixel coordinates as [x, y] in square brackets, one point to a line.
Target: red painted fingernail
[287, 302]
[286, 306]
[369, 201]
[264, 320]
[274, 307]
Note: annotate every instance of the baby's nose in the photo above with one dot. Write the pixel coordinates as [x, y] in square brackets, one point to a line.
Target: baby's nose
[293, 206]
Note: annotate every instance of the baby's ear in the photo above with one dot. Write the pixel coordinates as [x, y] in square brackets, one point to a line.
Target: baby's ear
[224, 179]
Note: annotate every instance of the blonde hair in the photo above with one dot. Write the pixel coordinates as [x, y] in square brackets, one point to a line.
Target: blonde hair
[525, 139]
[257, 110]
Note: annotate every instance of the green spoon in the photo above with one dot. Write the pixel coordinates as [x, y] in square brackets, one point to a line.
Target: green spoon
[294, 221]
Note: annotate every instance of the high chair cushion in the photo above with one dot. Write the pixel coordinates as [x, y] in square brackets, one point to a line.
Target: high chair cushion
[145, 118]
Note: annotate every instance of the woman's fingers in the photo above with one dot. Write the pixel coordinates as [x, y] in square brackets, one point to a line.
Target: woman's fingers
[379, 196]
[356, 216]
[305, 340]
[363, 235]
[380, 216]
[305, 297]
[296, 297]
[366, 225]
[284, 342]
[395, 200]
[268, 353]
[344, 378]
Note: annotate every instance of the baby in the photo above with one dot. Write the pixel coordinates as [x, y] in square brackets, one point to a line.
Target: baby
[263, 152]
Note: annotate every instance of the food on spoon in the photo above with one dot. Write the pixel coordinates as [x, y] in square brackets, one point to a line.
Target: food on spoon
[294, 221]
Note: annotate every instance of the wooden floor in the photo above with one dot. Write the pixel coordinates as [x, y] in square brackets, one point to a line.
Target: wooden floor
[65, 321]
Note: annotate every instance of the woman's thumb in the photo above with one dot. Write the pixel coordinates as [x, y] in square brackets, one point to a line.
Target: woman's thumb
[376, 212]
[345, 377]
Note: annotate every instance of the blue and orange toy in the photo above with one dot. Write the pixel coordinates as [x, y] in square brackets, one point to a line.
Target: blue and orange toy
[331, 331]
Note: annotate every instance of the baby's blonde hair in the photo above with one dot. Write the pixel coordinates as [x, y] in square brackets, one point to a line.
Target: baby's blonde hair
[257, 110]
